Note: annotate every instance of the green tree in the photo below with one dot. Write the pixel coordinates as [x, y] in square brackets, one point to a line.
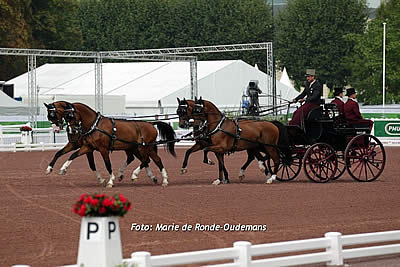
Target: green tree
[14, 32]
[137, 24]
[311, 34]
[367, 60]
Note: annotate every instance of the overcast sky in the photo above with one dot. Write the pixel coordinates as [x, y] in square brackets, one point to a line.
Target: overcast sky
[373, 3]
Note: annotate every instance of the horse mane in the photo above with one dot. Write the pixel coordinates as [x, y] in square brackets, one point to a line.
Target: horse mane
[85, 106]
[211, 104]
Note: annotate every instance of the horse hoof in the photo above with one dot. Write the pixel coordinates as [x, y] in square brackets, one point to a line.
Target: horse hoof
[155, 180]
[269, 181]
[62, 172]
[121, 177]
[241, 178]
[49, 170]
[209, 162]
[226, 181]
[102, 182]
[134, 180]
[109, 185]
[216, 182]
[183, 170]
[165, 184]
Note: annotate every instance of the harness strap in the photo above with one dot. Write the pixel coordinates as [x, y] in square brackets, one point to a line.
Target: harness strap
[113, 135]
[140, 133]
[94, 125]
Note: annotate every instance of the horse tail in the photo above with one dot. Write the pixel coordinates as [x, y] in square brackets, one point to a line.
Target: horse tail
[284, 142]
[167, 134]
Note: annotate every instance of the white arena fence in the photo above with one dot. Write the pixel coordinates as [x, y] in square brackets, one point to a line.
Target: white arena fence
[328, 249]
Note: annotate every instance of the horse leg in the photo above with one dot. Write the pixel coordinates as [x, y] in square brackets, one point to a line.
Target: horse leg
[275, 157]
[206, 160]
[106, 158]
[92, 166]
[143, 164]
[129, 159]
[261, 163]
[82, 151]
[221, 170]
[194, 148]
[157, 160]
[250, 158]
[67, 148]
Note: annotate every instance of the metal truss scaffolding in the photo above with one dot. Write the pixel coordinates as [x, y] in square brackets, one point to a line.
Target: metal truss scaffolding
[32, 91]
[163, 54]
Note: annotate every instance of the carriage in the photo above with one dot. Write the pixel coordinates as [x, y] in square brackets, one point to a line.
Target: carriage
[325, 146]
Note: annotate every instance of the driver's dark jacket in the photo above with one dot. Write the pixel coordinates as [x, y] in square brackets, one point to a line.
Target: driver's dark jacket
[313, 93]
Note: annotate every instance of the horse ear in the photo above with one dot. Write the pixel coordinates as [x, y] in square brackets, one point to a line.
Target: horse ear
[200, 98]
[179, 101]
[195, 98]
[47, 106]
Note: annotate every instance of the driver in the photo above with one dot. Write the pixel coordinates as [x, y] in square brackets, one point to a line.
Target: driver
[313, 93]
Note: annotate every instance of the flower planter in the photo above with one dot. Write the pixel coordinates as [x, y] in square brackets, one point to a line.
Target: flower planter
[100, 242]
[25, 137]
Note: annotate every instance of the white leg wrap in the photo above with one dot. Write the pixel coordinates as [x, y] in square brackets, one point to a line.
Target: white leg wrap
[216, 182]
[111, 181]
[270, 180]
[101, 180]
[261, 165]
[121, 170]
[49, 170]
[241, 173]
[64, 168]
[135, 173]
[165, 177]
[149, 173]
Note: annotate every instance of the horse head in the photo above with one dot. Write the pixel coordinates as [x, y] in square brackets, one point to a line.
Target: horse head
[199, 109]
[184, 111]
[55, 114]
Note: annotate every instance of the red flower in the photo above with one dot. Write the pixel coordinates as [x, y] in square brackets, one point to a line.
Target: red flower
[82, 211]
[101, 205]
[107, 202]
[94, 202]
[121, 197]
[88, 200]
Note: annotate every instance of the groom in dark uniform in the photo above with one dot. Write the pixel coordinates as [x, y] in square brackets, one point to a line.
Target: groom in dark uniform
[313, 93]
[352, 111]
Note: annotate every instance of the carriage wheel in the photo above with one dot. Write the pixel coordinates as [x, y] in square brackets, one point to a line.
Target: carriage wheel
[365, 158]
[288, 168]
[320, 162]
[341, 166]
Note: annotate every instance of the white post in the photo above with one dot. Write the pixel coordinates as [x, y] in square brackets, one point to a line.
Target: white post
[244, 259]
[100, 242]
[141, 259]
[1, 135]
[335, 248]
[383, 66]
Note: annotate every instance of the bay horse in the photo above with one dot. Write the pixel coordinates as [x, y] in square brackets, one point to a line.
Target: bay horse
[55, 112]
[184, 112]
[107, 134]
[228, 136]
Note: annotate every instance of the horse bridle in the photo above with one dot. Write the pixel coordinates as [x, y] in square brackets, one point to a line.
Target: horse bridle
[182, 111]
[52, 115]
[70, 115]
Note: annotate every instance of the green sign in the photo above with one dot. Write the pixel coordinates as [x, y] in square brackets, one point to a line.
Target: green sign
[387, 128]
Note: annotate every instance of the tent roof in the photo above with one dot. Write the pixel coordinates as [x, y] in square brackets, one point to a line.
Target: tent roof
[11, 107]
[151, 80]
[285, 78]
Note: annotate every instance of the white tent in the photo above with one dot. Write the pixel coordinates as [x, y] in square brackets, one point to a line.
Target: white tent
[285, 78]
[150, 87]
[11, 107]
